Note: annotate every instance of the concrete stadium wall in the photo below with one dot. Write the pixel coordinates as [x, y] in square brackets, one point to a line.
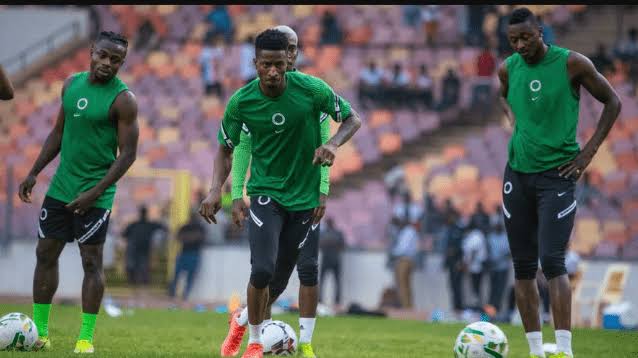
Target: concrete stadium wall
[225, 270]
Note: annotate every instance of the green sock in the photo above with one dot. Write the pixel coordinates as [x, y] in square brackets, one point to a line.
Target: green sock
[41, 318]
[88, 326]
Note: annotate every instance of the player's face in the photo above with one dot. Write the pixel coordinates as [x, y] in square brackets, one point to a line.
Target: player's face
[525, 38]
[106, 59]
[271, 67]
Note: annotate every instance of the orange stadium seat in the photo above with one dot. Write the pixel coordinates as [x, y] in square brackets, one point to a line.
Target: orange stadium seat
[389, 143]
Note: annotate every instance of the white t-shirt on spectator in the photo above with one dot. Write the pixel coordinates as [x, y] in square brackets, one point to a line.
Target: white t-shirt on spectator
[371, 78]
[424, 82]
[474, 242]
[407, 243]
[206, 59]
[246, 66]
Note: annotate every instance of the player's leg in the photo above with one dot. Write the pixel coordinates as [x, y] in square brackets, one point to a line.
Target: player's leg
[557, 212]
[521, 222]
[308, 270]
[53, 233]
[90, 230]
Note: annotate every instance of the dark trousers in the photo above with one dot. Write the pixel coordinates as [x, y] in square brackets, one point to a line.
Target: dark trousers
[498, 280]
[456, 284]
[335, 268]
[477, 279]
[187, 262]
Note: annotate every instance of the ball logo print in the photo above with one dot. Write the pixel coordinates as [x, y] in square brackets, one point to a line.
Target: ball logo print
[82, 103]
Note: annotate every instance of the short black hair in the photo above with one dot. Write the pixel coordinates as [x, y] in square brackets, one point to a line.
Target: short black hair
[271, 39]
[113, 37]
[521, 15]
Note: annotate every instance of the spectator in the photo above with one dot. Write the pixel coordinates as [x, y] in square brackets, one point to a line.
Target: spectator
[405, 252]
[601, 60]
[221, 23]
[246, 56]
[430, 16]
[332, 244]
[499, 254]
[453, 261]
[475, 17]
[331, 33]
[370, 81]
[192, 237]
[451, 90]
[397, 85]
[627, 50]
[147, 38]
[423, 92]
[504, 48]
[411, 15]
[485, 67]
[407, 210]
[480, 219]
[208, 60]
[139, 236]
[548, 32]
[474, 256]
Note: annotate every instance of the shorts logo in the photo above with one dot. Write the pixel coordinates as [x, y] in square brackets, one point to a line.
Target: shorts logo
[43, 214]
[261, 201]
[258, 222]
[314, 227]
[82, 103]
[278, 119]
[507, 188]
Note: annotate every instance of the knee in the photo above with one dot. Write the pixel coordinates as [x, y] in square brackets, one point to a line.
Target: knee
[525, 269]
[91, 265]
[260, 276]
[308, 274]
[553, 266]
[45, 258]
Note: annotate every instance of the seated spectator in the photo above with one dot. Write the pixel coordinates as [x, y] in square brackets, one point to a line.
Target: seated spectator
[370, 81]
[430, 16]
[601, 60]
[485, 65]
[451, 91]
[246, 56]
[396, 86]
[221, 23]
[331, 33]
[627, 50]
[209, 58]
[147, 38]
[423, 88]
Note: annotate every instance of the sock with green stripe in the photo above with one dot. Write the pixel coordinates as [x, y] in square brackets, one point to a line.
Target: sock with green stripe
[41, 318]
[88, 327]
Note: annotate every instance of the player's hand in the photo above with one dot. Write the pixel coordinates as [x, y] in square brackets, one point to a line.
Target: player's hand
[239, 212]
[211, 205]
[575, 168]
[25, 188]
[83, 202]
[325, 155]
[319, 210]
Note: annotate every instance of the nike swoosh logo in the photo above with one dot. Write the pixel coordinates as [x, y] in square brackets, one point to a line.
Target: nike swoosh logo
[280, 131]
[535, 98]
[87, 225]
[305, 222]
[561, 194]
[76, 115]
[314, 227]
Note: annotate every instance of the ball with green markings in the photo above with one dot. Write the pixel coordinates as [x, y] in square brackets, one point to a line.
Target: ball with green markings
[481, 340]
[17, 332]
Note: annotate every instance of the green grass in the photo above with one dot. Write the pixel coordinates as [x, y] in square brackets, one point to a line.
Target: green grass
[151, 333]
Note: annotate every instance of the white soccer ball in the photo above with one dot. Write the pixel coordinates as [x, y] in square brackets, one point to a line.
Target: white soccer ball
[279, 338]
[481, 340]
[17, 332]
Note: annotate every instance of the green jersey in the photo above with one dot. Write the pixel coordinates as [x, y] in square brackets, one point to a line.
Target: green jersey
[89, 139]
[284, 133]
[545, 108]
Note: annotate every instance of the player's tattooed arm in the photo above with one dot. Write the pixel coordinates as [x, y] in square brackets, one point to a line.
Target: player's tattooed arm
[124, 110]
[583, 73]
[221, 168]
[325, 154]
[49, 151]
[504, 80]
[6, 88]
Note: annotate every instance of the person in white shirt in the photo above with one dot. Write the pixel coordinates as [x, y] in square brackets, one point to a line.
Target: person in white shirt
[474, 255]
[423, 88]
[396, 84]
[246, 54]
[370, 82]
[405, 252]
[209, 58]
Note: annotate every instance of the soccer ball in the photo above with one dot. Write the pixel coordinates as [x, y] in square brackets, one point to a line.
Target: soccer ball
[279, 338]
[481, 340]
[17, 332]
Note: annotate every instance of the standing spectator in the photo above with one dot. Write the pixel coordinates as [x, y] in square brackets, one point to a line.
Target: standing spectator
[208, 60]
[485, 66]
[601, 60]
[192, 237]
[451, 90]
[405, 253]
[430, 16]
[480, 220]
[454, 259]
[370, 81]
[331, 33]
[332, 244]
[407, 210]
[474, 256]
[423, 92]
[397, 85]
[139, 236]
[221, 23]
[499, 264]
[246, 55]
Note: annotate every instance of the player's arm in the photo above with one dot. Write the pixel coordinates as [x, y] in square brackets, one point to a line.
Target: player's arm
[241, 161]
[504, 81]
[125, 112]
[49, 151]
[583, 73]
[229, 138]
[6, 88]
[324, 186]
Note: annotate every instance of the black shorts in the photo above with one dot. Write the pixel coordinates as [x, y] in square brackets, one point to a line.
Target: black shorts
[276, 235]
[309, 254]
[539, 211]
[56, 222]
